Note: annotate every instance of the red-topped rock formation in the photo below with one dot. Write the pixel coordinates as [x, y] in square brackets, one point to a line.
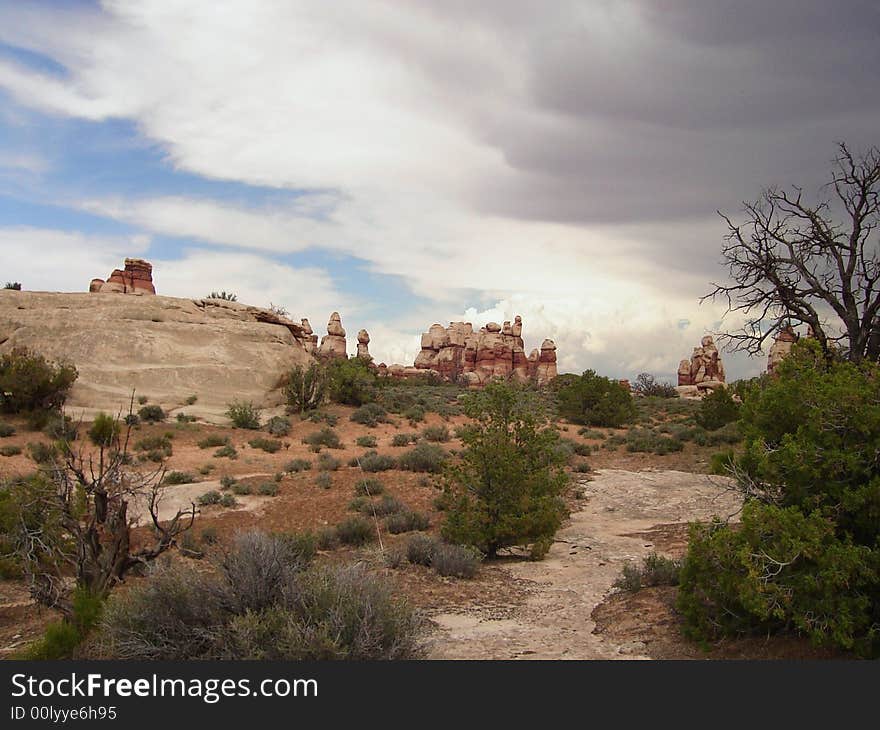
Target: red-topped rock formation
[135, 278]
[457, 352]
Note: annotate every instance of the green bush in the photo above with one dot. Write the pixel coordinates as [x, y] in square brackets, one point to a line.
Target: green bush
[212, 441]
[158, 443]
[368, 487]
[424, 457]
[208, 535]
[370, 414]
[305, 389]
[420, 549]
[104, 431]
[268, 489]
[644, 440]
[60, 427]
[507, 490]
[270, 446]
[351, 381]
[10, 450]
[6, 430]
[367, 442]
[151, 414]
[656, 570]
[227, 451]
[227, 500]
[414, 414]
[328, 463]
[593, 400]
[717, 409]
[208, 498]
[374, 462]
[722, 463]
[178, 477]
[297, 465]
[43, 453]
[241, 489]
[648, 385]
[406, 521]
[191, 399]
[29, 382]
[436, 433]
[184, 418]
[243, 415]
[404, 439]
[355, 531]
[224, 295]
[324, 480]
[458, 561]
[325, 437]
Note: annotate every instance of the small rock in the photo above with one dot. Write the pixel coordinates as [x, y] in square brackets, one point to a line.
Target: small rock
[632, 647]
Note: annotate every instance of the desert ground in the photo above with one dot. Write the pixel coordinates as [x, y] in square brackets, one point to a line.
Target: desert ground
[624, 504]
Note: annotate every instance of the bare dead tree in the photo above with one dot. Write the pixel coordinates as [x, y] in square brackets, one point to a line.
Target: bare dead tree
[792, 262]
[76, 530]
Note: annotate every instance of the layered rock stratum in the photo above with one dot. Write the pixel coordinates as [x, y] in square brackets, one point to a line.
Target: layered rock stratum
[165, 348]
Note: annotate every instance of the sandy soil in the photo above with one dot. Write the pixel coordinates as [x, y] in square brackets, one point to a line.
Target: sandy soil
[555, 621]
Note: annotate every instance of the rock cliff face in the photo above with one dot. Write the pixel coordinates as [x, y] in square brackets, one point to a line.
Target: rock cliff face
[457, 352]
[135, 278]
[705, 369]
[167, 349]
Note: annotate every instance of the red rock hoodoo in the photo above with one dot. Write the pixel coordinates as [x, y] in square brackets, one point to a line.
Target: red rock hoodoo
[135, 278]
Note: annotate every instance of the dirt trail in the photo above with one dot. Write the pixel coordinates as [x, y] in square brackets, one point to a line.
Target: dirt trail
[588, 555]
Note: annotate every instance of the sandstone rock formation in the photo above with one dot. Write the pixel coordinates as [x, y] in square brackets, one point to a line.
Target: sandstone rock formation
[310, 339]
[458, 353]
[781, 347]
[166, 348]
[333, 344]
[363, 347]
[705, 369]
[135, 278]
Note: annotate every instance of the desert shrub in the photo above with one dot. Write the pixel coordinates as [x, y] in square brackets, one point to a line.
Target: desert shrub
[268, 489]
[60, 427]
[406, 521]
[374, 462]
[297, 465]
[717, 409]
[424, 457]
[507, 489]
[243, 415]
[436, 433]
[241, 489]
[43, 453]
[370, 414]
[14, 285]
[368, 487]
[301, 547]
[208, 498]
[228, 500]
[420, 549]
[415, 414]
[326, 538]
[191, 400]
[270, 446]
[590, 433]
[305, 389]
[228, 451]
[227, 481]
[645, 440]
[350, 381]
[656, 570]
[178, 477]
[157, 443]
[325, 437]
[328, 463]
[142, 399]
[6, 430]
[29, 382]
[61, 639]
[213, 441]
[184, 418]
[458, 561]
[385, 506]
[324, 480]
[355, 531]
[151, 414]
[224, 295]
[593, 400]
[404, 439]
[10, 450]
[206, 469]
[367, 442]
[648, 385]
[722, 463]
[208, 535]
[582, 467]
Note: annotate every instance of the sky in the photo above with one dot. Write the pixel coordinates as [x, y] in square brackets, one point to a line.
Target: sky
[406, 163]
